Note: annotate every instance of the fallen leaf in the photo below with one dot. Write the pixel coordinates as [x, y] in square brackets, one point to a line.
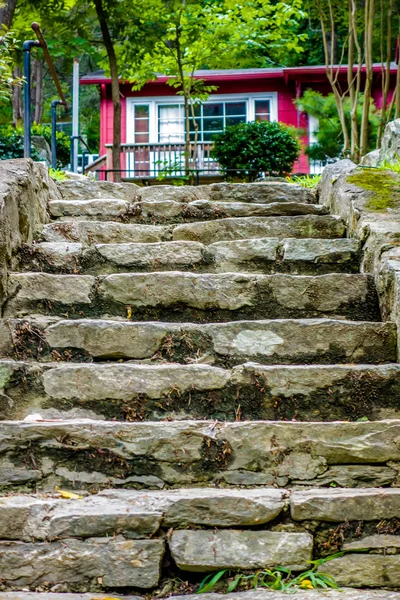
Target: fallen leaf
[68, 495]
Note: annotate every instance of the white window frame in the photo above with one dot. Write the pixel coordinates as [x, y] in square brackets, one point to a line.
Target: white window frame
[154, 101]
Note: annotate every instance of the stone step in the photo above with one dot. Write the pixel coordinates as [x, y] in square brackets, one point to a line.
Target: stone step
[207, 232]
[90, 454]
[280, 341]
[180, 296]
[135, 514]
[265, 192]
[265, 255]
[199, 391]
[168, 211]
[258, 594]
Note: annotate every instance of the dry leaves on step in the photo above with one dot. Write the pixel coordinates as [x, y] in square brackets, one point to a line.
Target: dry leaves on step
[69, 496]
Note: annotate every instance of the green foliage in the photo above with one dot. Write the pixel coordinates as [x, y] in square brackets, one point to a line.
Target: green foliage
[308, 181]
[277, 579]
[384, 185]
[12, 144]
[257, 147]
[329, 133]
[57, 175]
[7, 80]
[62, 142]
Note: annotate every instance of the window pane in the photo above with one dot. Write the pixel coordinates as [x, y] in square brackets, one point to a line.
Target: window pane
[262, 110]
[141, 138]
[234, 120]
[235, 108]
[262, 117]
[141, 125]
[141, 111]
[213, 110]
[213, 124]
[170, 123]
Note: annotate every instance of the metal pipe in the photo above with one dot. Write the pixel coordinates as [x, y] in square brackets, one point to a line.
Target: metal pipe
[26, 47]
[54, 105]
[75, 117]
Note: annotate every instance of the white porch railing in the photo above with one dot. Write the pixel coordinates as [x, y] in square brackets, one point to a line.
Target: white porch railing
[158, 161]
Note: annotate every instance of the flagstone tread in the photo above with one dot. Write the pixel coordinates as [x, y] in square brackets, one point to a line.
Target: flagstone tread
[134, 514]
[82, 564]
[355, 505]
[265, 255]
[159, 391]
[369, 570]
[207, 232]
[275, 341]
[231, 549]
[309, 226]
[169, 211]
[40, 455]
[181, 296]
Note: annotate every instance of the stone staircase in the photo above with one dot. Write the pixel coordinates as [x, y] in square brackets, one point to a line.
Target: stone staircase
[207, 368]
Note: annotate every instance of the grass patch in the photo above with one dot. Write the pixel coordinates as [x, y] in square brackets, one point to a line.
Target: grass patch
[307, 181]
[384, 185]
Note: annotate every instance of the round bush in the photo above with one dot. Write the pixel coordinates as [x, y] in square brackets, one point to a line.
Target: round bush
[257, 147]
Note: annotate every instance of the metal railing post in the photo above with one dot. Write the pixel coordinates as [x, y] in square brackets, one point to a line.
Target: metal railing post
[26, 47]
[54, 105]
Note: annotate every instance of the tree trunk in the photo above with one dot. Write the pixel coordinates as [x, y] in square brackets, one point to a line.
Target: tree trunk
[16, 100]
[369, 26]
[354, 81]
[115, 92]
[39, 92]
[385, 69]
[7, 12]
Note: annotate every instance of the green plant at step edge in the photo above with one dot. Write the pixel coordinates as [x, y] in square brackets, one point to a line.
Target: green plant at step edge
[384, 185]
[57, 174]
[277, 579]
[309, 181]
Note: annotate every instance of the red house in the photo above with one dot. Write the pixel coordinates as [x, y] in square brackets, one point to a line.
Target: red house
[153, 118]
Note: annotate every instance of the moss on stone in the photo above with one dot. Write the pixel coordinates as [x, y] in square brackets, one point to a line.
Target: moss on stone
[384, 185]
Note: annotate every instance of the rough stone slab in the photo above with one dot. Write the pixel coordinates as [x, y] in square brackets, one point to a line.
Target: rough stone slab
[82, 564]
[263, 296]
[185, 452]
[46, 256]
[269, 191]
[333, 505]
[103, 232]
[271, 341]
[367, 570]
[326, 392]
[206, 209]
[205, 551]
[207, 507]
[320, 251]
[309, 226]
[54, 596]
[102, 208]
[98, 382]
[381, 541]
[84, 188]
[66, 289]
[263, 594]
[183, 194]
[28, 518]
[153, 256]
[353, 476]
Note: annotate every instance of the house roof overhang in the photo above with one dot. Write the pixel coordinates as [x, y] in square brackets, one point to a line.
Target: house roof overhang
[314, 73]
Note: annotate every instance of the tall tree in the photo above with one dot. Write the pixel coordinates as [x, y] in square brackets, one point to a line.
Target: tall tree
[103, 16]
[178, 37]
[7, 9]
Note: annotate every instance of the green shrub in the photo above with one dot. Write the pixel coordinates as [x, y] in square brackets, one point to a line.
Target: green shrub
[62, 143]
[257, 147]
[12, 144]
